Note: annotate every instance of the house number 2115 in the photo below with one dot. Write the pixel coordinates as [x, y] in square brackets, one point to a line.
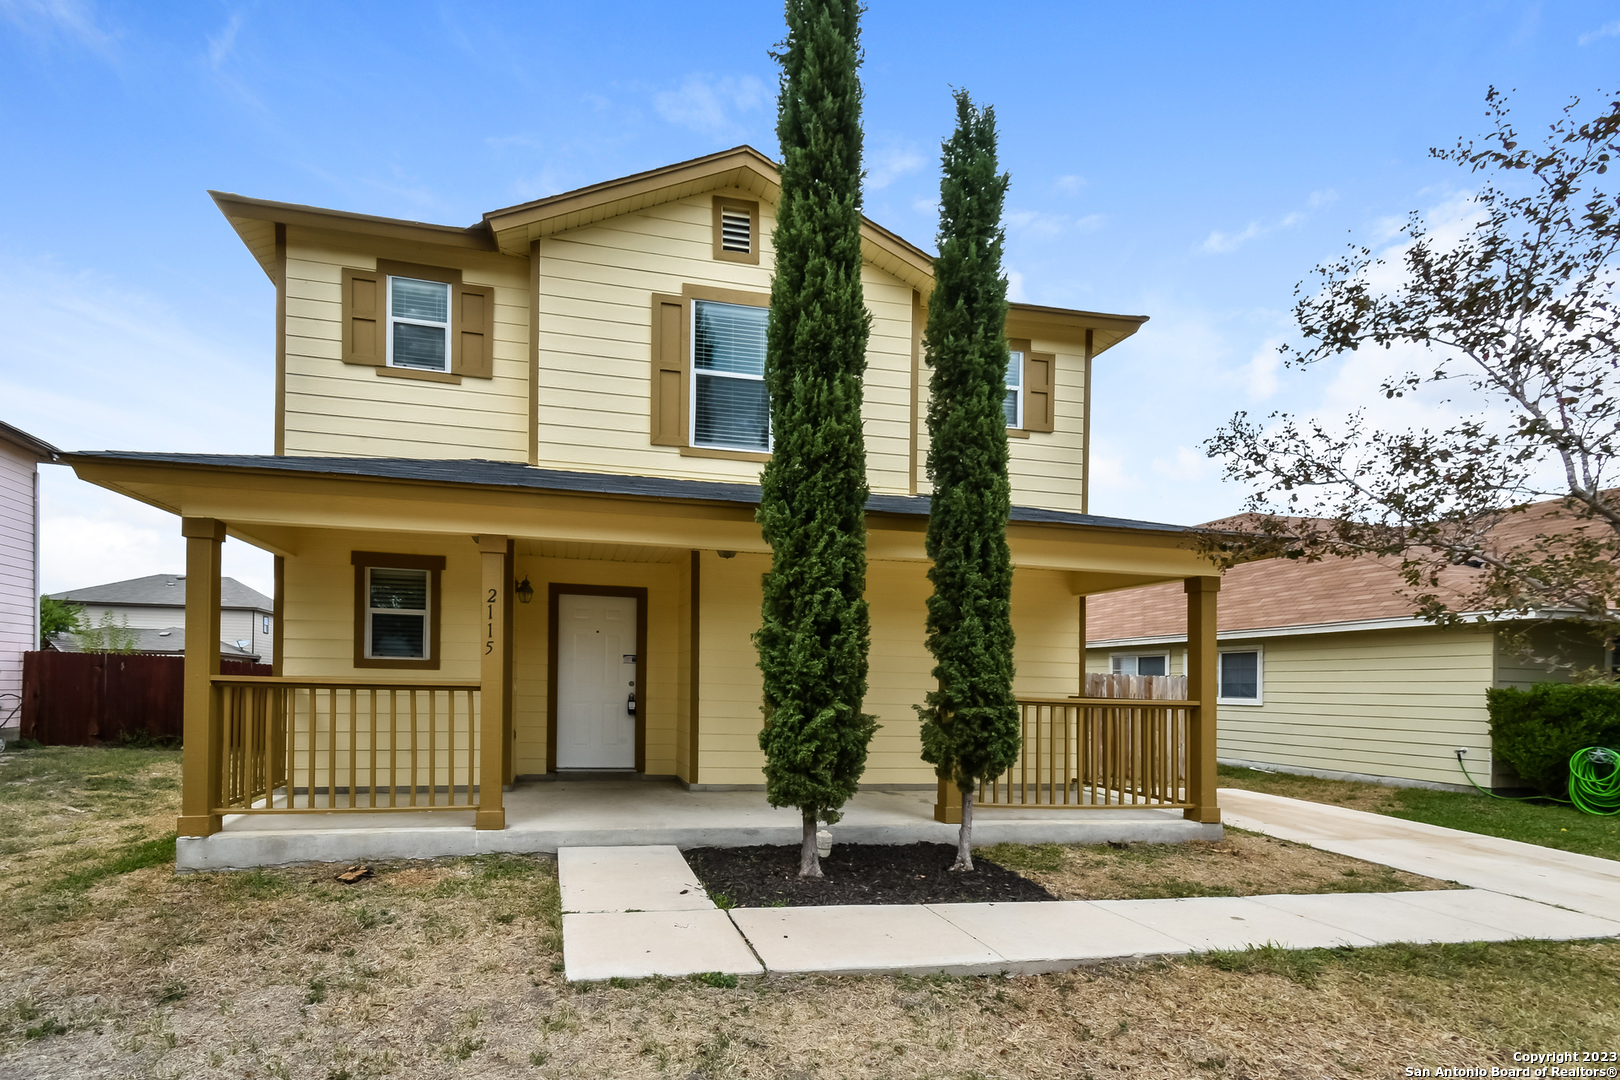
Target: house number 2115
[489, 632]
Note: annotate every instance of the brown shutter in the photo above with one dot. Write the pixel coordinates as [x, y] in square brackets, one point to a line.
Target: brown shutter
[1040, 379]
[668, 371]
[472, 321]
[364, 329]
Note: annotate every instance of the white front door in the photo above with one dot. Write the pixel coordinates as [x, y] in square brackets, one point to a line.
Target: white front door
[596, 674]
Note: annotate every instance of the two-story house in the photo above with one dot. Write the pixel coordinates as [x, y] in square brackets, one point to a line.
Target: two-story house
[512, 508]
[153, 609]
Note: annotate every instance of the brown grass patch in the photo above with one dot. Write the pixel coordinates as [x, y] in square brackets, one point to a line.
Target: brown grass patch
[1243, 864]
[449, 969]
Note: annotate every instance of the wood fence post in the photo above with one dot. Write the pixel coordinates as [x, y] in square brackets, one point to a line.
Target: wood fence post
[200, 758]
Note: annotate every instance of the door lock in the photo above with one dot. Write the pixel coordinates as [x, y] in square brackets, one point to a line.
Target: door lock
[630, 704]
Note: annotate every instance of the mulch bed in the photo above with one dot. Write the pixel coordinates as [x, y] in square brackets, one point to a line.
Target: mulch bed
[768, 876]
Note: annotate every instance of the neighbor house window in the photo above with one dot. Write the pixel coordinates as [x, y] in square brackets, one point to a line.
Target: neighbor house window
[730, 409]
[265, 628]
[418, 324]
[1140, 664]
[1239, 674]
[1013, 403]
[396, 608]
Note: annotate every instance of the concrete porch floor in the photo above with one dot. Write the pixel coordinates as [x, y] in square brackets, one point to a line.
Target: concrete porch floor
[543, 817]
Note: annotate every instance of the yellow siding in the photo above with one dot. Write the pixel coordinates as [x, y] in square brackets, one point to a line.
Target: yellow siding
[1045, 619]
[318, 627]
[596, 287]
[1393, 703]
[1514, 668]
[339, 409]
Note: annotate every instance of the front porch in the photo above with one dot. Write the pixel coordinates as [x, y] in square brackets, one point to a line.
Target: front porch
[543, 816]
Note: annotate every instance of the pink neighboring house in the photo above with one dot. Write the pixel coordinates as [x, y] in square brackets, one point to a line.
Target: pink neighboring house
[20, 455]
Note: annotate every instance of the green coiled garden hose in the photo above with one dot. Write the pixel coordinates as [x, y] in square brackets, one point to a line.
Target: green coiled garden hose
[1591, 790]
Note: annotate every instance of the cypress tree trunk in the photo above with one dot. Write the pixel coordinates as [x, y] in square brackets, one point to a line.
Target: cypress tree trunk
[970, 728]
[814, 628]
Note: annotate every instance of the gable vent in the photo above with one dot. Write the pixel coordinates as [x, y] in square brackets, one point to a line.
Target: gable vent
[735, 231]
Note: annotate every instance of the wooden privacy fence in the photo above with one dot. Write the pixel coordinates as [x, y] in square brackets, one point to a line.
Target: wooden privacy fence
[81, 699]
[1098, 753]
[340, 746]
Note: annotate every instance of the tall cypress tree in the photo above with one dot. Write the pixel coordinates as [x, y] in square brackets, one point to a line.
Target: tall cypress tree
[815, 629]
[970, 729]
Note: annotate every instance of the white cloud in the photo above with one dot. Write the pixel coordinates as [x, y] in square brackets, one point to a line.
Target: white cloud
[1015, 288]
[223, 44]
[72, 19]
[890, 162]
[1259, 375]
[1219, 243]
[1321, 198]
[1187, 466]
[928, 207]
[1606, 30]
[706, 104]
[1068, 185]
[1040, 223]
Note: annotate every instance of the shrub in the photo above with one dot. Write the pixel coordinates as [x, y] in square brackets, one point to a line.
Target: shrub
[1537, 730]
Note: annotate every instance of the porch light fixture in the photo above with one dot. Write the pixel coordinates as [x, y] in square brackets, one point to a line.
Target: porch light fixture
[525, 591]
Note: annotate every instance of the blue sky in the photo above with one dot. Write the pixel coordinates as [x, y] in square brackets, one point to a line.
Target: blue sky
[1190, 162]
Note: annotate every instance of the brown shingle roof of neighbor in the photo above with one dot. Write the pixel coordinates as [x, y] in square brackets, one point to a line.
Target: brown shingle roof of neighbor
[1280, 593]
[163, 590]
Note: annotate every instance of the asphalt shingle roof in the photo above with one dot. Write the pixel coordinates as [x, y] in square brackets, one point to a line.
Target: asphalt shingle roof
[163, 590]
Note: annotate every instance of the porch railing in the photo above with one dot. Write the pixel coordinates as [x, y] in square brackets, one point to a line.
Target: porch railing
[292, 745]
[1097, 753]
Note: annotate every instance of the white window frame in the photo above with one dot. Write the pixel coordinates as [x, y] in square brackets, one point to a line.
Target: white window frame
[426, 610]
[695, 374]
[1015, 362]
[449, 311]
[264, 624]
[1112, 657]
[1259, 676]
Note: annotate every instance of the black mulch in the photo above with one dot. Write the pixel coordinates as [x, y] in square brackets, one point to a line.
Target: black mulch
[768, 876]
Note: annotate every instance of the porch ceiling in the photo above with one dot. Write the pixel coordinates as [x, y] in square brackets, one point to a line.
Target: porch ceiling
[269, 501]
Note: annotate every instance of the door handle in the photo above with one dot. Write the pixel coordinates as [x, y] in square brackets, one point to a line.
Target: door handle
[630, 703]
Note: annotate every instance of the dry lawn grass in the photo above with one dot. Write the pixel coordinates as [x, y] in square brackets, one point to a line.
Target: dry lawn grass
[1243, 864]
[449, 969]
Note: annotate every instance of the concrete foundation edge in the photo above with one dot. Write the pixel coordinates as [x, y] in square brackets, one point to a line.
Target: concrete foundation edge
[247, 850]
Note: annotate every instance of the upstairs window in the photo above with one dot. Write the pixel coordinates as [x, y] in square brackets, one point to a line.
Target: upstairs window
[418, 324]
[730, 409]
[1013, 403]
[736, 230]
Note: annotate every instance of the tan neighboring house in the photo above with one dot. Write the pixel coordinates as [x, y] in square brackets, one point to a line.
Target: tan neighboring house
[512, 508]
[20, 455]
[154, 608]
[1324, 670]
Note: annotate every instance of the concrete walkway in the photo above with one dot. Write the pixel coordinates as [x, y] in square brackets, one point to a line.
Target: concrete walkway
[548, 816]
[638, 912]
[1581, 882]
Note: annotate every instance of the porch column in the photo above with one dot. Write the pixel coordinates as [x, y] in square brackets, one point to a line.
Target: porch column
[200, 764]
[493, 599]
[1201, 687]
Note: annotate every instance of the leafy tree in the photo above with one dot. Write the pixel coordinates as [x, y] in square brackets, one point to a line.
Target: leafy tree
[57, 617]
[970, 729]
[1521, 310]
[815, 628]
[110, 635]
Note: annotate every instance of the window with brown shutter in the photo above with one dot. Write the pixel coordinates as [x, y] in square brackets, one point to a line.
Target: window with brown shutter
[668, 371]
[1040, 376]
[363, 317]
[736, 230]
[427, 331]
